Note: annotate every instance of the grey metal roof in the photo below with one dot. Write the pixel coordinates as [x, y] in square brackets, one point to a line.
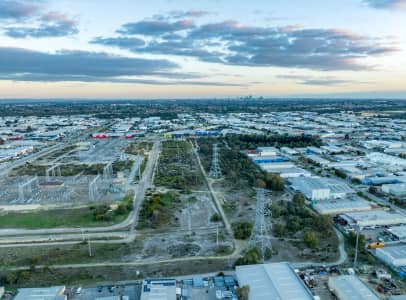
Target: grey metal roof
[350, 287]
[49, 293]
[277, 281]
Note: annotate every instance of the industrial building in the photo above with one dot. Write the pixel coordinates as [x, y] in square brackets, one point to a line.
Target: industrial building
[267, 151]
[373, 218]
[350, 287]
[162, 289]
[332, 207]
[399, 232]
[394, 256]
[289, 172]
[276, 281]
[50, 293]
[317, 188]
[397, 189]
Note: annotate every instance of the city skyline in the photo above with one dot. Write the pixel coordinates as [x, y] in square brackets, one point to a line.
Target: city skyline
[167, 49]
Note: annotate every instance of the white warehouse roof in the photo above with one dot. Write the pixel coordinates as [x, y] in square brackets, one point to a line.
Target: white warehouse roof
[341, 206]
[374, 218]
[276, 281]
[350, 287]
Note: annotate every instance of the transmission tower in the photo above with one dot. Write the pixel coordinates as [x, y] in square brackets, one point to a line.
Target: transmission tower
[215, 171]
[52, 171]
[25, 190]
[260, 238]
[108, 171]
[93, 188]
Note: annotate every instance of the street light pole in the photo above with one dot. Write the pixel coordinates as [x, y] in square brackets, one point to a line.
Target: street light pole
[356, 247]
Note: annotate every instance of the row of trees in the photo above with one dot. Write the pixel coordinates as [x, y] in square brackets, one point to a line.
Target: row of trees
[278, 140]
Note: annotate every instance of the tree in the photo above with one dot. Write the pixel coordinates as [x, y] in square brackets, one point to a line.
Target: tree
[340, 173]
[299, 199]
[215, 218]
[310, 239]
[323, 224]
[279, 229]
[11, 278]
[352, 237]
[275, 182]
[242, 230]
[260, 183]
[293, 224]
[249, 258]
[243, 292]
[276, 211]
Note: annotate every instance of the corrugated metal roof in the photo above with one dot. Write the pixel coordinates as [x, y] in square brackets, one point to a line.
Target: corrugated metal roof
[350, 287]
[277, 281]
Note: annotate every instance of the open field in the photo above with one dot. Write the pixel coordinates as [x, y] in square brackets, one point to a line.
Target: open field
[85, 216]
[102, 274]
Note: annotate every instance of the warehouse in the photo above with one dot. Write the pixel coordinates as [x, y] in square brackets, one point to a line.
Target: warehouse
[385, 159]
[311, 187]
[350, 287]
[318, 160]
[50, 293]
[332, 207]
[317, 188]
[267, 151]
[374, 218]
[394, 256]
[397, 189]
[163, 289]
[399, 232]
[289, 172]
[272, 281]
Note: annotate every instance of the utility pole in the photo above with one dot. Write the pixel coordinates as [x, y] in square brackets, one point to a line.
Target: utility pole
[356, 247]
[90, 246]
[217, 234]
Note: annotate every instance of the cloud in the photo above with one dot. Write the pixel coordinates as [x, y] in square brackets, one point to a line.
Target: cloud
[26, 65]
[232, 43]
[155, 27]
[52, 24]
[129, 43]
[17, 63]
[180, 14]
[309, 80]
[13, 9]
[386, 4]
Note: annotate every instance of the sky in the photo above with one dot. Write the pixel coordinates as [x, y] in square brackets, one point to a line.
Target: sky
[126, 49]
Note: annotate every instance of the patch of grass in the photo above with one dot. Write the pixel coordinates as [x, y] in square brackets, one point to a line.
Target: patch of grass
[65, 217]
